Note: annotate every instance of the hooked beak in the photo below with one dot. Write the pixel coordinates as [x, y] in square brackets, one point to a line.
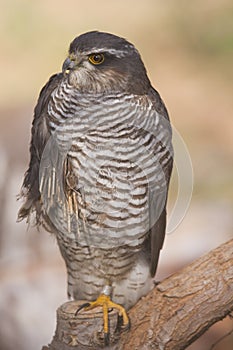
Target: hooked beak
[68, 65]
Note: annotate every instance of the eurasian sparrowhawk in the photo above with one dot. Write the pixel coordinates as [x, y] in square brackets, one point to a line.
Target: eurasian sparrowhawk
[101, 160]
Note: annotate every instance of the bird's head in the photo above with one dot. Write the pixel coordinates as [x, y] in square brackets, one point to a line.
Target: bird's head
[102, 63]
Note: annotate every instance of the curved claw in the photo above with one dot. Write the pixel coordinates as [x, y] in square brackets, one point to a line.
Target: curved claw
[107, 304]
[82, 307]
[121, 327]
[126, 327]
[106, 339]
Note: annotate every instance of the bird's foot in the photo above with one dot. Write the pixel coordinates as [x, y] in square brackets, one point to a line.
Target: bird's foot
[106, 303]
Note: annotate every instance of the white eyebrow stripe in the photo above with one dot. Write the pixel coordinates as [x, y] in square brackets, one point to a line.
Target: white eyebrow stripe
[117, 53]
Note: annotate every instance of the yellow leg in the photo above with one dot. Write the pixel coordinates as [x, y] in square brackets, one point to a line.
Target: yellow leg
[105, 316]
[106, 303]
[121, 310]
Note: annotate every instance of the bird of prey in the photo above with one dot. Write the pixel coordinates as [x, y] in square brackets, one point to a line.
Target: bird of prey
[98, 177]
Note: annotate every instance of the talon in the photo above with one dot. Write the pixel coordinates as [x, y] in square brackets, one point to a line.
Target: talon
[126, 327]
[121, 326]
[107, 304]
[119, 323]
[83, 306]
[106, 338]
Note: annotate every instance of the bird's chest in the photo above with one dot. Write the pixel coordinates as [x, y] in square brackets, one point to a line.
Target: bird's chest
[109, 169]
[111, 163]
[111, 178]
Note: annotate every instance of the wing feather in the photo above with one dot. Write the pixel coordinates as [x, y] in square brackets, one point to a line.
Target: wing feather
[39, 136]
[158, 227]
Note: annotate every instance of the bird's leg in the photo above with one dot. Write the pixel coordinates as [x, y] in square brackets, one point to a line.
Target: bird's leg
[106, 303]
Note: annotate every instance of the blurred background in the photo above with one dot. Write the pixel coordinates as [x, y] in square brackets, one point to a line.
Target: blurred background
[187, 48]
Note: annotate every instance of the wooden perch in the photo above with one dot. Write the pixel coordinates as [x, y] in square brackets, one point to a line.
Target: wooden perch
[173, 315]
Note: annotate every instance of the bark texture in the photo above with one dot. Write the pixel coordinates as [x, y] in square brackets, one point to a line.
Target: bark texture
[177, 312]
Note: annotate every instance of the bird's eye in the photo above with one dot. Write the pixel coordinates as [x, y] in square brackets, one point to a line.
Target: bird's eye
[96, 58]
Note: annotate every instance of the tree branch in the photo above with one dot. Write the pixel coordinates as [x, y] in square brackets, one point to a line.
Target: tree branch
[174, 314]
[181, 308]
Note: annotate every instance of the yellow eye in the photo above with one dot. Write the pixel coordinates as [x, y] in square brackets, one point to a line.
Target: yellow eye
[96, 58]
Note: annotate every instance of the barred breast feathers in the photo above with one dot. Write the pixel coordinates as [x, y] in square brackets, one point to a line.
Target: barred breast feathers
[122, 134]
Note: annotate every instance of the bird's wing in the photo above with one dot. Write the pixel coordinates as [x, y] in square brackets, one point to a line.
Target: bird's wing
[158, 200]
[39, 136]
